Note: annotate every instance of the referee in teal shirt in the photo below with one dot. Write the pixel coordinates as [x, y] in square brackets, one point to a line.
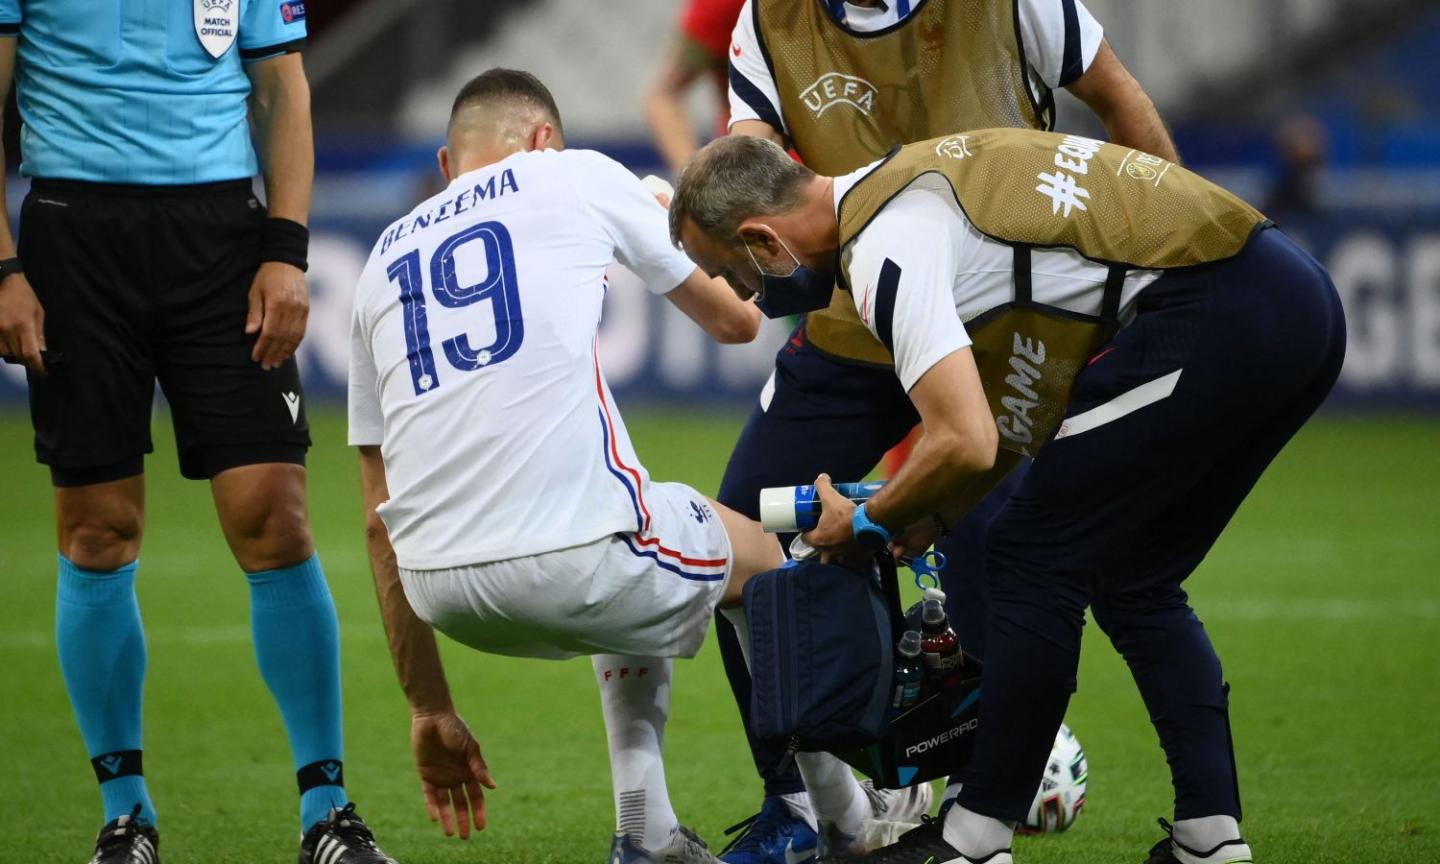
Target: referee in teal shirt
[144, 255]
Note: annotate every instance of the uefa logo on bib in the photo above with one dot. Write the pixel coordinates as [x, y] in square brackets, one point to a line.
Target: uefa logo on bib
[216, 23]
[833, 89]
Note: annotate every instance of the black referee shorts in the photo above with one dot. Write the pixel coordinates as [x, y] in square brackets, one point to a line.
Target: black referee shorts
[147, 283]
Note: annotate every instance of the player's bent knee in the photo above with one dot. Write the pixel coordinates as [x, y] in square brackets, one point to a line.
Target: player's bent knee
[752, 552]
[100, 526]
[281, 544]
[262, 511]
[101, 542]
[266, 537]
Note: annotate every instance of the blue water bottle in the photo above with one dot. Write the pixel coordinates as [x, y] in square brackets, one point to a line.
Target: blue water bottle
[787, 509]
[909, 673]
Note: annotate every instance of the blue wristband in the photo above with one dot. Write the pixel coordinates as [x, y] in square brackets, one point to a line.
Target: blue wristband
[871, 535]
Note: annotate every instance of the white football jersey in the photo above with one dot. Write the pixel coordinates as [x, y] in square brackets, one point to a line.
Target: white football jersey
[473, 359]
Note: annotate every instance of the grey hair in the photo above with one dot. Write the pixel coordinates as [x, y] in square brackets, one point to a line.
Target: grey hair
[732, 179]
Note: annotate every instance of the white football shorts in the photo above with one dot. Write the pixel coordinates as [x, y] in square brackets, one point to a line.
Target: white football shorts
[649, 592]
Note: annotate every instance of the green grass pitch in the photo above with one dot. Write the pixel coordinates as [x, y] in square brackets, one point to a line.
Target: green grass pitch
[1323, 598]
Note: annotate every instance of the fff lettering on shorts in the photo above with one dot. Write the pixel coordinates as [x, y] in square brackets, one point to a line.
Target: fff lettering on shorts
[1027, 357]
[493, 187]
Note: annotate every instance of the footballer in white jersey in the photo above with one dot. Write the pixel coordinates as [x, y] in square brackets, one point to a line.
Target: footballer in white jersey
[474, 366]
[474, 361]
[502, 491]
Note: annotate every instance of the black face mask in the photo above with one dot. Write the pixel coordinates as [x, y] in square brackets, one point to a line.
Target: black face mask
[802, 290]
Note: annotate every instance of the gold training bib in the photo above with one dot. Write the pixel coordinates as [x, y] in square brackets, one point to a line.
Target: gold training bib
[1027, 189]
[848, 98]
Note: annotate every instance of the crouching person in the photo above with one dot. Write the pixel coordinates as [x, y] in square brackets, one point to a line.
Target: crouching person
[506, 506]
[1150, 338]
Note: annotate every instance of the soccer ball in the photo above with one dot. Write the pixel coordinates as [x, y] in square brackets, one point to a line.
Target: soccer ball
[1062, 790]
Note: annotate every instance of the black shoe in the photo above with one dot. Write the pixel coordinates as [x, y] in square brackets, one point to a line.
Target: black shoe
[344, 838]
[923, 845]
[1169, 851]
[127, 840]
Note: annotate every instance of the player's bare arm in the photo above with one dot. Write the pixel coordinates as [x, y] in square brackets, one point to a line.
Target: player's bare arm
[22, 320]
[713, 305]
[1123, 105]
[452, 771]
[280, 108]
[959, 443]
[759, 129]
[921, 535]
[684, 63]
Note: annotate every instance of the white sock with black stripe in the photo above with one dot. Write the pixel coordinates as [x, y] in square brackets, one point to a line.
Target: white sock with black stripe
[635, 699]
[1215, 837]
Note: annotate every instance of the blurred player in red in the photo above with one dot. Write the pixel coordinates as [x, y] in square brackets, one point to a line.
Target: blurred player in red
[698, 54]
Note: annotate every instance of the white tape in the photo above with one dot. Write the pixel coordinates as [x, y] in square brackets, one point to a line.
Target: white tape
[658, 185]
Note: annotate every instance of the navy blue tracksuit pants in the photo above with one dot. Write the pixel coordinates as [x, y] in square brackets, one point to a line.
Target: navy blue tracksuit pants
[1117, 515]
[839, 418]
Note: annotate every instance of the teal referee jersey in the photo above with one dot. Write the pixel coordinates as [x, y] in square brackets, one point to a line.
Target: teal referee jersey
[149, 92]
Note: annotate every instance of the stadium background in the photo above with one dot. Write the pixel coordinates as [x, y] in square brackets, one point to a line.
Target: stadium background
[1323, 597]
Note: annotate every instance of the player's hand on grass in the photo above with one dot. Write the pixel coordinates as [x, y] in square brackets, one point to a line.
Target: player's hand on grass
[452, 772]
[279, 308]
[833, 535]
[22, 323]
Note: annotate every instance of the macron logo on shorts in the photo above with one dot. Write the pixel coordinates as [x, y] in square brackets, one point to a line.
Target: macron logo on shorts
[292, 401]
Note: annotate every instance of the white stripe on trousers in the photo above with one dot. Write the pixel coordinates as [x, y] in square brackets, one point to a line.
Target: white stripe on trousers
[1131, 400]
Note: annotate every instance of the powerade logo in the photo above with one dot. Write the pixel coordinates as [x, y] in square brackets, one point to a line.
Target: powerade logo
[292, 11]
[943, 738]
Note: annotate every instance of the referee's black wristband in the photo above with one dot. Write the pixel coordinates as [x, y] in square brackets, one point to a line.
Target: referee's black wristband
[285, 241]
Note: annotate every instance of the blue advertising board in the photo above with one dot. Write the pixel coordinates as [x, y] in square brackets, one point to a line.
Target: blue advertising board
[1386, 265]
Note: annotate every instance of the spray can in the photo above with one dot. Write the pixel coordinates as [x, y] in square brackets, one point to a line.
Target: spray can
[785, 509]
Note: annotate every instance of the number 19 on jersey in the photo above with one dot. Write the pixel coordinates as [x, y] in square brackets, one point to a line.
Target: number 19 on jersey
[498, 288]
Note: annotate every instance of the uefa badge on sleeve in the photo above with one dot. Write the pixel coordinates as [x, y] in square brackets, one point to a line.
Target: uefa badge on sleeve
[216, 22]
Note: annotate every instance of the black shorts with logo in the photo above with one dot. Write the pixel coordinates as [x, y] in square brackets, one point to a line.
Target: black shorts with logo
[147, 283]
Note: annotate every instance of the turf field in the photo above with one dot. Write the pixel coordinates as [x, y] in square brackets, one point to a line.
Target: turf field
[1324, 600]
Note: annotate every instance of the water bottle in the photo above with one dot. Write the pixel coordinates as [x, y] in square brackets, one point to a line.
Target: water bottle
[909, 673]
[785, 509]
[916, 611]
[939, 646]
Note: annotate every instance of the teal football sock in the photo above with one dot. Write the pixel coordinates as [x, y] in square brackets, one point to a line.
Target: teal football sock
[297, 644]
[102, 658]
